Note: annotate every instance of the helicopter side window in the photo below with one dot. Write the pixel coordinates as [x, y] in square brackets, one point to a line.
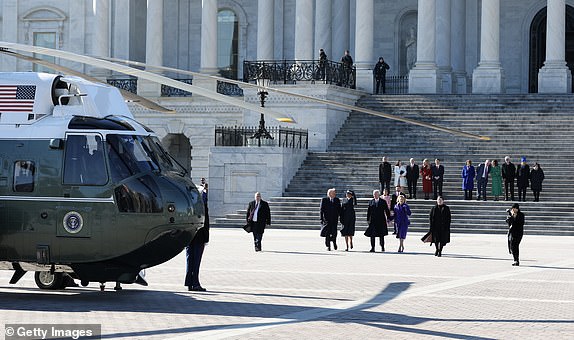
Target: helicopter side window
[24, 176]
[84, 162]
[128, 156]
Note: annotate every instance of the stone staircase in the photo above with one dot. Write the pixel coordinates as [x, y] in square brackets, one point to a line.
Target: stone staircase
[535, 126]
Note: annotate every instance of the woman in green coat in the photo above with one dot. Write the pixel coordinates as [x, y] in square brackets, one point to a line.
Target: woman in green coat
[496, 175]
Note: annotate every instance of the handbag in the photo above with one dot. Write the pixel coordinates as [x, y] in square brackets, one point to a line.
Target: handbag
[427, 238]
[247, 227]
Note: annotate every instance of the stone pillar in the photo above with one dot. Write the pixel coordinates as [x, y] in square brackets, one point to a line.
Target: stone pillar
[443, 42]
[364, 60]
[304, 30]
[458, 45]
[555, 76]
[423, 78]
[153, 46]
[323, 28]
[101, 40]
[488, 77]
[208, 62]
[341, 9]
[265, 29]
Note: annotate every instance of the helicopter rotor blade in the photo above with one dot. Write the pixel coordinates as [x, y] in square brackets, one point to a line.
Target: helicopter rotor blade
[282, 117]
[129, 96]
[306, 97]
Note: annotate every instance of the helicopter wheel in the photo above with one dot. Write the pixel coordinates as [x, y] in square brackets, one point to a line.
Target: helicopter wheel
[47, 280]
[84, 283]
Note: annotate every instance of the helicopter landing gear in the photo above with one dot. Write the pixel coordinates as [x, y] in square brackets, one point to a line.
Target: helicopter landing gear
[118, 286]
[48, 280]
[102, 286]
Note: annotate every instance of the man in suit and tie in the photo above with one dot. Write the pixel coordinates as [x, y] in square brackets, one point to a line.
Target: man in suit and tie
[482, 179]
[437, 178]
[258, 217]
[412, 178]
[330, 213]
[508, 175]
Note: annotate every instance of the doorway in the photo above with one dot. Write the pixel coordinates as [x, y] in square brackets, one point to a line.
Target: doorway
[538, 45]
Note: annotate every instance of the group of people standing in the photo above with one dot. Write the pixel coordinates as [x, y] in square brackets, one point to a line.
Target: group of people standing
[408, 176]
[383, 213]
[507, 174]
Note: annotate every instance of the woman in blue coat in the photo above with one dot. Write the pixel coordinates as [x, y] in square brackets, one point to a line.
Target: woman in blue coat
[468, 174]
[402, 213]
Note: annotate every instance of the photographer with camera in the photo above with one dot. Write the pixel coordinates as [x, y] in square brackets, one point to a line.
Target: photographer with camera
[515, 220]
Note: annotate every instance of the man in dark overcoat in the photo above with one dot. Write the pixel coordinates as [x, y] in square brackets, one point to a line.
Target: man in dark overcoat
[380, 73]
[258, 217]
[412, 178]
[385, 175]
[522, 179]
[508, 175]
[439, 220]
[515, 222]
[330, 214]
[377, 215]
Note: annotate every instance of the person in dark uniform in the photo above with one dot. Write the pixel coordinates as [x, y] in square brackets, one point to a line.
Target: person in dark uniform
[412, 178]
[508, 175]
[348, 218]
[439, 220]
[515, 222]
[322, 64]
[258, 217]
[347, 68]
[330, 213]
[194, 251]
[377, 215]
[385, 174]
[437, 178]
[380, 73]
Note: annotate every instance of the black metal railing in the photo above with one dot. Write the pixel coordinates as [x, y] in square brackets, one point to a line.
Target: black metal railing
[229, 89]
[292, 71]
[128, 84]
[241, 136]
[168, 91]
[394, 85]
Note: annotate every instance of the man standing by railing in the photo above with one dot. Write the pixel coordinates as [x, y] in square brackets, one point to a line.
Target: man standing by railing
[380, 73]
[347, 62]
[322, 64]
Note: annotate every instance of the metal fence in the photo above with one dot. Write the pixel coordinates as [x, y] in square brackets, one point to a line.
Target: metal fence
[394, 85]
[292, 71]
[242, 136]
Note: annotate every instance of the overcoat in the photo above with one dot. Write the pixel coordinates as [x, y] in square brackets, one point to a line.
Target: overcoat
[330, 213]
[468, 174]
[426, 174]
[536, 178]
[439, 220]
[377, 215]
[402, 213]
[348, 217]
[522, 176]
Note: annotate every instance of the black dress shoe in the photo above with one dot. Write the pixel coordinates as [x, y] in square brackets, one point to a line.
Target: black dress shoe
[516, 264]
[372, 250]
[198, 289]
[335, 246]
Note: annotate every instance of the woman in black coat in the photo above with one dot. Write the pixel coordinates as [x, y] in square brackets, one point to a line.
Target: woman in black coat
[536, 178]
[439, 219]
[377, 215]
[348, 218]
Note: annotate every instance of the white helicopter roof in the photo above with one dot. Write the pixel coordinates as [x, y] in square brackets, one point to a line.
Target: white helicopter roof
[27, 97]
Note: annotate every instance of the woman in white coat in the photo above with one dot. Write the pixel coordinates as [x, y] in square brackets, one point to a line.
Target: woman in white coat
[400, 174]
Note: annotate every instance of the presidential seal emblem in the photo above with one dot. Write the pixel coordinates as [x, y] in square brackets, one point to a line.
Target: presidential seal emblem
[73, 222]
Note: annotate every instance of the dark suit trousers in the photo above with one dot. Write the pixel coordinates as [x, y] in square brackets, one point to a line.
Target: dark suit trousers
[509, 186]
[481, 186]
[386, 184]
[257, 237]
[412, 183]
[437, 188]
[193, 254]
[382, 242]
[514, 243]
[522, 193]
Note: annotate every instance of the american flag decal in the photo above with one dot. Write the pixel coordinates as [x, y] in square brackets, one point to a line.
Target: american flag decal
[17, 98]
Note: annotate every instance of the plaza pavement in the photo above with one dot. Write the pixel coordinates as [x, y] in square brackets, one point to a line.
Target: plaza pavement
[295, 289]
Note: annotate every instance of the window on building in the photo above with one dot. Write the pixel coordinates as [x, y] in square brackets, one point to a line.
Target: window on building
[44, 39]
[227, 43]
[24, 176]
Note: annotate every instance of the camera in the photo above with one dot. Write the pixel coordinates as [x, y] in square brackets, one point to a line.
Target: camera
[508, 211]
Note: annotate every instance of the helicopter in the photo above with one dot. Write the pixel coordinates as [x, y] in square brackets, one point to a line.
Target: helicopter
[86, 191]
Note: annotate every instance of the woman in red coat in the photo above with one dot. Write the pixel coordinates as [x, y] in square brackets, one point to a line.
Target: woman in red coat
[426, 175]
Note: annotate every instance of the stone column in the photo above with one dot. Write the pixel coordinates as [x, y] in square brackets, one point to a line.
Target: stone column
[153, 46]
[341, 9]
[304, 30]
[208, 62]
[101, 38]
[458, 46]
[423, 78]
[265, 30]
[555, 76]
[323, 28]
[443, 42]
[488, 77]
[364, 33]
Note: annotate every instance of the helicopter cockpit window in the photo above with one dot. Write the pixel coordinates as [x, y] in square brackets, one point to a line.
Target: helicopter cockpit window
[24, 176]
[129, 156]
[84, 162]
